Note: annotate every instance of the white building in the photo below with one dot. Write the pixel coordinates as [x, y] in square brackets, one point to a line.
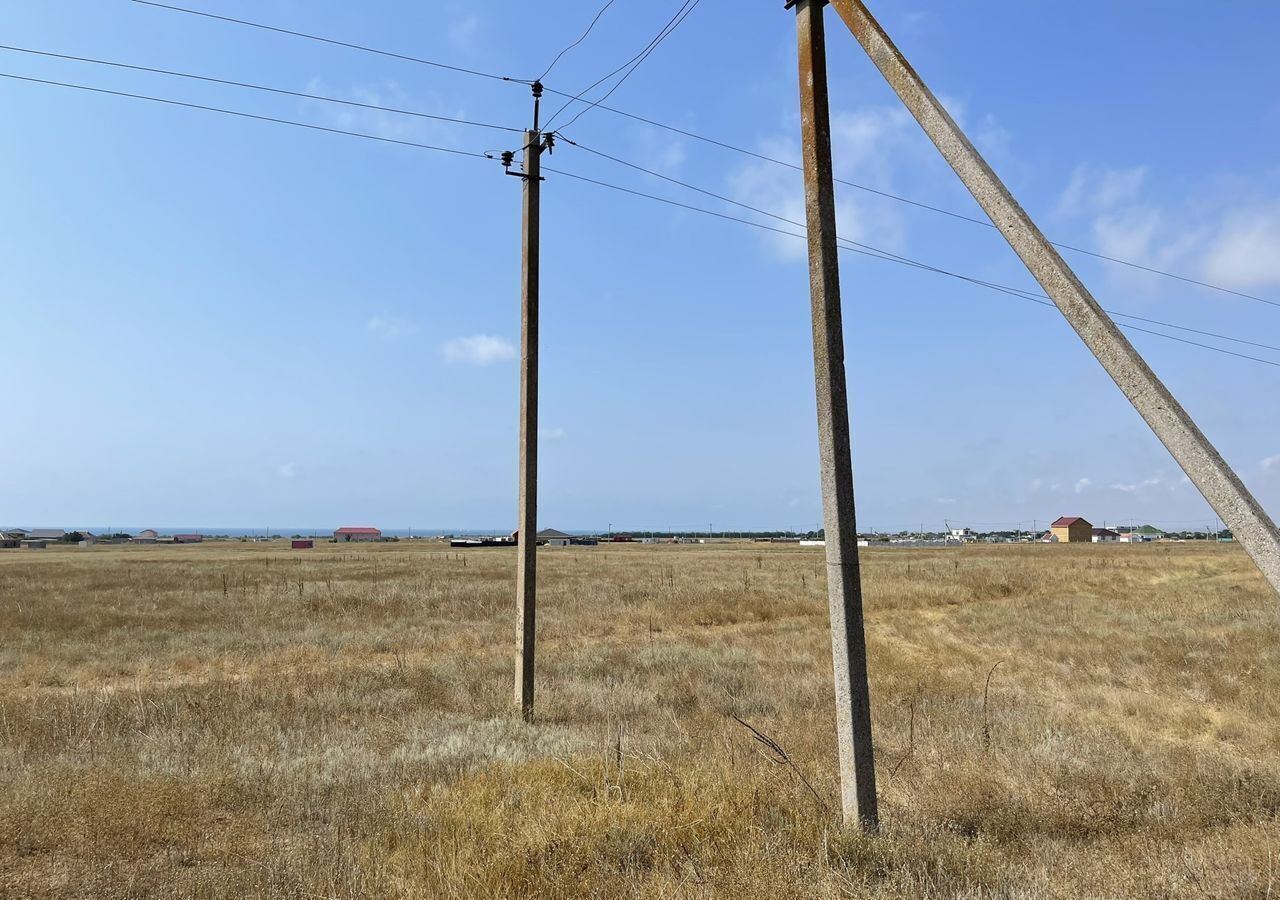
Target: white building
[550, 537]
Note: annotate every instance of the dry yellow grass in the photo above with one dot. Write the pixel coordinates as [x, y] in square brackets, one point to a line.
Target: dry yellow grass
[243, 721]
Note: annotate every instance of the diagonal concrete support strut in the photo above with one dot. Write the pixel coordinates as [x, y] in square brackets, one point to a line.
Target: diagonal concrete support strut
[1219, 484]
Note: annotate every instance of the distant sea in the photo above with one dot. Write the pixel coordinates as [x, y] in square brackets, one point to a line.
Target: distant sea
[267, 530]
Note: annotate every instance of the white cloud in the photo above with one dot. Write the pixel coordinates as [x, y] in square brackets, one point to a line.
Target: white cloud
[288, 470]
[867, 145]
[1082, 484]
[1160, 481]
[479, 350]
[384, 123]
[947, 501]
[462, 34]
[391, 329]
[552, 434]
[1093, 190]
[1271, 463]
[1246, 251]
[1224, 240]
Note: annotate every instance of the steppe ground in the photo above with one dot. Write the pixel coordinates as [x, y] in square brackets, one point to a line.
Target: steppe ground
[240, 720]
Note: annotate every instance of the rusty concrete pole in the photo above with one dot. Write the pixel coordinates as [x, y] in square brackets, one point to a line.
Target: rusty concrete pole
[1202, 463]
[526, 571]
[844, 581]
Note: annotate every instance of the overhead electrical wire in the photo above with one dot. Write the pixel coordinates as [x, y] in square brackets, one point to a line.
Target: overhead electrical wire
[260, 87]
[592, 104]
[245, 115]
[710, 141]
[604, 9]
[324, 40]
[845, 244]
[1031, 295]
[881, 255]
[925, 206]
[635, 62]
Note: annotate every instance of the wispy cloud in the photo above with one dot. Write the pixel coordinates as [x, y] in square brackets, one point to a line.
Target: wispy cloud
[462, 33]
[1082, 485]
[382, 122]
[1094, 190]
[552, 434]
[1271, 463]
[868, 145]
[479, 350]
[1244, 254]
[1155, 482]
[1223, 236]
[288, 470]
[391, 329]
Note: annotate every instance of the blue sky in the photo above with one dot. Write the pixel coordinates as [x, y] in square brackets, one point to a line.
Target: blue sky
[208, 320]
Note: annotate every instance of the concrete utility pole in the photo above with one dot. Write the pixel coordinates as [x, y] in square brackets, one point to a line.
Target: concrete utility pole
[527, 541]
[844, 581]
[1202, 463]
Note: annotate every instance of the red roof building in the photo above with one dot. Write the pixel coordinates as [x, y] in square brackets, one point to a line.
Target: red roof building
[349, 534]
[1071, 530]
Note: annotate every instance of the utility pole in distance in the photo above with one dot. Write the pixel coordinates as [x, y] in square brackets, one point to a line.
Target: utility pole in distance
[844, 581]
[527, 539]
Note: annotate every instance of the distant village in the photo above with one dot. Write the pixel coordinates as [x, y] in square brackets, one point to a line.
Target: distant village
[1064, 530]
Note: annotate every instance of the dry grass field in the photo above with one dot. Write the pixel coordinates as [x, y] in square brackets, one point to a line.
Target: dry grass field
[240, 720]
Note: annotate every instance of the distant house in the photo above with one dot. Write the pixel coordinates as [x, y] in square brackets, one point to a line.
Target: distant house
[188, 538]
[552, 538]
[1105, 536]
[47, 534]
[1136, 537]
[33, 544]
[963, 534]
[146, 536]
[349, 534]
[302, 544]
[1071, 530]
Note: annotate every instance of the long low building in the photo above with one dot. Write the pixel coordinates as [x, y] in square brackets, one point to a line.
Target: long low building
[351, 534]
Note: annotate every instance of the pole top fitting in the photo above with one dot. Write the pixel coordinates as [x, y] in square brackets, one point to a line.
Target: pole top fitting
[537, 89]
[790, 4]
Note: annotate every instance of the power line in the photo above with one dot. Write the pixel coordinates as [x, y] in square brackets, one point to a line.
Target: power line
[333, 41]
[635, 62]
[886, 258]
[258, 87]
[706, 140]
[245, 115]
[872, 252]
[925, 206]
[594, 103]
[1030, 295]
[602, 11]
